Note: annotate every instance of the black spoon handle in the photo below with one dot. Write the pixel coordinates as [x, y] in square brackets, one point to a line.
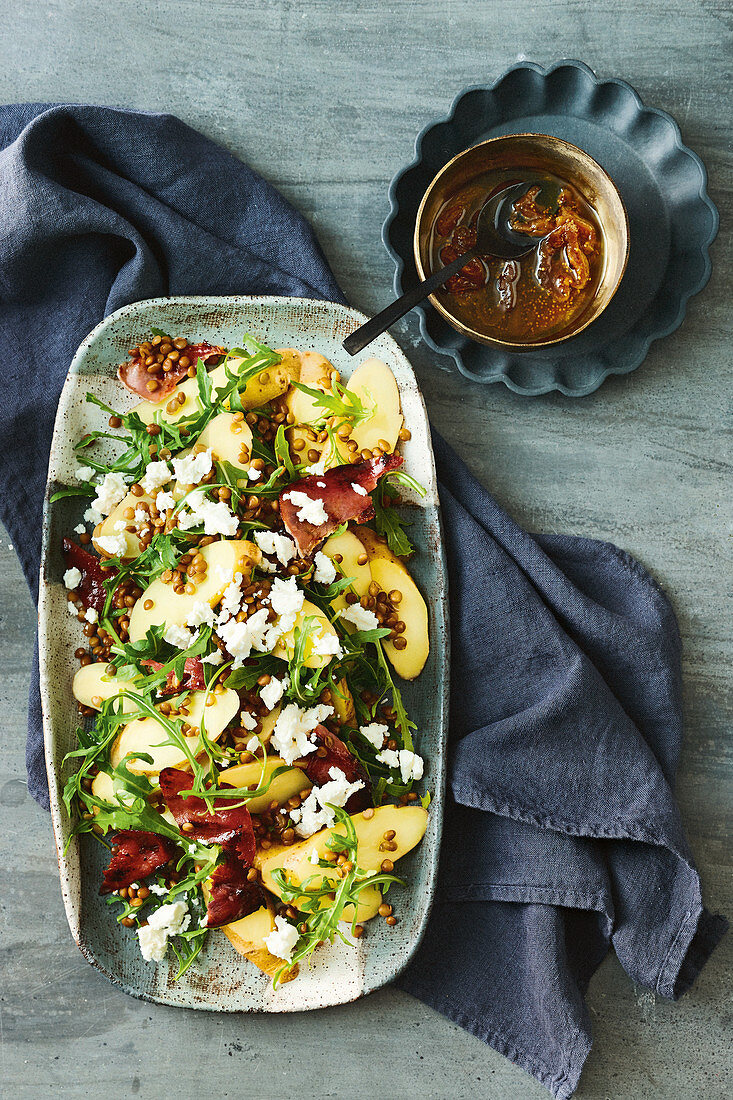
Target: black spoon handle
[364, 335]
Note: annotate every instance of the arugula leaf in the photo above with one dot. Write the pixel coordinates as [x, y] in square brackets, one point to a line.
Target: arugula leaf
[342, 403]
[388, 523]
[74, 491]
[282, 451]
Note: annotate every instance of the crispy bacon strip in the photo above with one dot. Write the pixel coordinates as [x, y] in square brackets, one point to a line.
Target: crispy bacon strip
[231, 894]
[138, 854]
[90, 588]
[341, 501]
[134, 374]
[193, 676]
[229, 825]
[318, 768]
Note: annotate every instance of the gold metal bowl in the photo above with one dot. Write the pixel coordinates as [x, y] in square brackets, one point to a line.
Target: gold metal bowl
[545, 154]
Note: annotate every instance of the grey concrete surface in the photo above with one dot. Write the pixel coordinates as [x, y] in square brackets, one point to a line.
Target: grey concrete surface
[324, 98]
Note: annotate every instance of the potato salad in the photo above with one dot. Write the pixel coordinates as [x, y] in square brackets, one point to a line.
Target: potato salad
[246, 618]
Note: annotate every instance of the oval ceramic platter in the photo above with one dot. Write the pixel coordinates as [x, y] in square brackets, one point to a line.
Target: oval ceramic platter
[221, 979]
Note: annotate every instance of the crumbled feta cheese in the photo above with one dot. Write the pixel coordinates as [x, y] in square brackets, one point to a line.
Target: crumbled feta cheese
[253, 474]
[310, 509]
[314, 857]
[141, 517]
[178, 636]
[191, 469]
[375, 733]
[231, 601]
[214, 658]
[253, 744]
[80, 529]
[91, 615]
[247, 721]
[272, 693]
[316, 813]
[217, 517]
[241, 638]
[84, 473]
[159, 891]
[115, 545]
[156, 475]
[326, 645]
[171, 918]
[282, 939]
[359, 489]
[317, 469]
[361, 617]
[411, 765]
[93, 516]
[285, 596]
[325, 572]
[201, 614]
[72, 578]
[72, 609]
[163, 502]
[168, 920]
[281, 546]
[291, 735]
[389, 757]
[153, 943]
[120, 526]
[109, 493]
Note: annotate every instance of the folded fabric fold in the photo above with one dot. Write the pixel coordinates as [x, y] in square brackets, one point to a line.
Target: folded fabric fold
[562, 835]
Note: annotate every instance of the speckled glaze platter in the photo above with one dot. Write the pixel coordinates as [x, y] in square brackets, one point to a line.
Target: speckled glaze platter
[221, 979]
[663, 184]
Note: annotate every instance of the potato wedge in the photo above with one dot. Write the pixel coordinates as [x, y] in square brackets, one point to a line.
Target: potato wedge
[375, 386]
[146, 735]
[281, 788]
[408, 822]
[315, 372]
[391, 575]
[226, 437]
[116, 516]
[247, 936]
[343, 704]
[321, 629]
[92, 685]
[345, 550]
[224, 560]
[103, 787]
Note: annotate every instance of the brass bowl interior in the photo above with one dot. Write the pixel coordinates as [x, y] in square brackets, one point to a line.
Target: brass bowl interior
[546, 154]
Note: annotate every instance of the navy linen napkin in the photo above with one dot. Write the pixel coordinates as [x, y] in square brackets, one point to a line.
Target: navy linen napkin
[562, 834]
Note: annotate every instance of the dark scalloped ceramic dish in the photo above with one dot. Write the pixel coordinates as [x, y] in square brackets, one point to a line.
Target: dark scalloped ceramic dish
[663, 186]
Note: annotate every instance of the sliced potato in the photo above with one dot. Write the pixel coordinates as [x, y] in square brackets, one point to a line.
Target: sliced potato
[103, 787]
[264, 387]
[247, 936]
[408, 822]
[146, 735]
[268, 724]
[117, 515]
[391, 575]
[224, 560]
[226, 437]
[343, 704]
[348, 549]
[315, 372]
[92, 685]
[281, 788]
[375, 386]
[321, 629]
